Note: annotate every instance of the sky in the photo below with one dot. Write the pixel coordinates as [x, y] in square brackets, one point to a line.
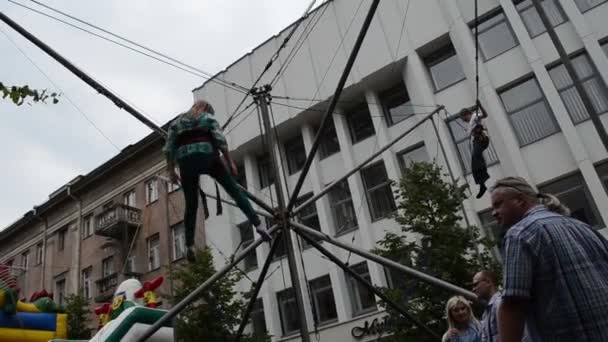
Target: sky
[47, 145]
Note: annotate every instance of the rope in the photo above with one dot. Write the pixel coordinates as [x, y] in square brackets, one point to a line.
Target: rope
[476, 51]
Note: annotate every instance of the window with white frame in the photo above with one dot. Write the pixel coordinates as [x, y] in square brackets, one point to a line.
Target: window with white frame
[258, 321]
[131, 266]
[308, 216]
[265, 170]
[378, 191]
[585, 5]
[295, 154]
[360, 123]
[129, 198]
[495, 35]
[151, 191]
[154, 252]
[288, 311]
[324, 304]
[362, 298]
[328, 143]
[528, 112]
[107, 266]
[573, 192]
[532, 20]
[86, 280]
[444, 67]
[25, 260]
[88, 226]
[60, 291]
[416, 153]
[396, 104]
[343, 211]
[594, 87]
[178, 233]
[247, 238]
[462, 140]
[39, 253]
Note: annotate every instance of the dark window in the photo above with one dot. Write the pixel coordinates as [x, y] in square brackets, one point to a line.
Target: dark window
[529, 112]
[179, 241]
[288, 311]
[39, 251]
[378, 191]
[531, 19]
[329, 140]
[585, 5]
[444, 67]
[592, 83]
[295, 154]
[495, 36]
[605, 47]
[280, 251]
[342, 208]
[25, 260]
[362, 299]
[154, 252]
[265, 170]
[460, 136]
[247, 238]
[360, 123]
[324, 304]
[60, 291]
[396, 104]
[61, 238]
[308, 216]
[414, 154]
[107, 266]
[258, 321]
[241, 177]
[88, 226]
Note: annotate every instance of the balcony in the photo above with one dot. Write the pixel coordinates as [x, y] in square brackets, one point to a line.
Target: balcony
[116, 221]
[106, 287]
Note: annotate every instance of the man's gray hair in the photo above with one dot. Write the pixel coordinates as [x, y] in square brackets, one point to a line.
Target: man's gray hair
[520, 185]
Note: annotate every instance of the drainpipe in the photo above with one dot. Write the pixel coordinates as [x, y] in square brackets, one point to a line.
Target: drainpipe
[78, 235]
[45, 227]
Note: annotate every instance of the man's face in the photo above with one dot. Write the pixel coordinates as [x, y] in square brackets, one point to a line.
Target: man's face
[508, 207]
[482, 286]
[466, 117]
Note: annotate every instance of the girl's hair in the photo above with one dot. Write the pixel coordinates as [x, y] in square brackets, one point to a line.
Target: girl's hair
[520, 185]
[201, 103]
[451, 304]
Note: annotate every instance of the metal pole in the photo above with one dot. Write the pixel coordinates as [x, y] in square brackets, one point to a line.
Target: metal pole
[202, 288]
[367, 161]
[169, 234]
[82, 75]
[257, 287]
[298, 227]
[261, 97]
[257, 200]
[595, 119]
[367, 284]
[333, 103]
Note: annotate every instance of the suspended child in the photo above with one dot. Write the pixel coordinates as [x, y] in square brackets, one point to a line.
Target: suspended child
[480, 142]
[195, 141]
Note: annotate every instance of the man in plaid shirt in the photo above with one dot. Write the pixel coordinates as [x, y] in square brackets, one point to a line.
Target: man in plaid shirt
[555, 269]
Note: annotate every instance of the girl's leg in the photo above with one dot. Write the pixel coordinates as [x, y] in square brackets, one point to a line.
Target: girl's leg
[190, 181]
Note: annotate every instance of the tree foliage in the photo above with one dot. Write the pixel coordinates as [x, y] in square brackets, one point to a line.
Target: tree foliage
[434, 241]
[21, 94]
[77, 309]
[217, 314]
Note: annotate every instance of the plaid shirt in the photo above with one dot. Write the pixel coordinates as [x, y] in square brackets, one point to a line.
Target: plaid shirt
[184, 123]
[561, 265]
[489, 322]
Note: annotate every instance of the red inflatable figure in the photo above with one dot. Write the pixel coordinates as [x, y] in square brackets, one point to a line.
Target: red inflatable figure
[147, 293]
[103, 312]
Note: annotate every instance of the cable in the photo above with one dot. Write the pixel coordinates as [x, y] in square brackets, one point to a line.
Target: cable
[476, 51]
[246, 116]
[322, 111]
[407, 8]
[345, 101]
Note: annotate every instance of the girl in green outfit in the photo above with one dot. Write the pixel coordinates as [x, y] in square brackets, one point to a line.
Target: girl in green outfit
[194, 143]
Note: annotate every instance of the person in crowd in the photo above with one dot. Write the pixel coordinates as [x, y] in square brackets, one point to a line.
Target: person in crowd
[485, 286]
[462, 324]
[479, 141]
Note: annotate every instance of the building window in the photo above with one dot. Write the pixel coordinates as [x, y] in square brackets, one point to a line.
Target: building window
[295, 154]
[86, 282]
[173, 186]
[131, 265]
[324, 304]
[340, 199]
[360, 123]
[241, 177]
[532, 20]
[444, 67]
[308, 216]
[592, 83]
[328, 144]
[528, 112]
[495, 36]
[396, 104]
[60, 291]
[258, 321]
[417, 153]
[107, 266]
[362, 299]
[585, 5]
[378, 191]
[178, 233]
[25, 260]
[288, 311]
[154, 252]
[266, 171]
[129, 198]
[151, 191]
[460, 136]
[39, 251]
[491, 226]
[280, 250]
[247, 238]
[88, 226]
[61, 238]
[573, 193]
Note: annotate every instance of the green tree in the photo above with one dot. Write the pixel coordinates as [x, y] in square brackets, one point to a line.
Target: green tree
[214, 317]
[20, 94]
[432, 240]
[77, 309]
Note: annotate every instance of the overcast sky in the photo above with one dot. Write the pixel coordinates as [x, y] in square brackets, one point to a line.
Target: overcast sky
[46, 145]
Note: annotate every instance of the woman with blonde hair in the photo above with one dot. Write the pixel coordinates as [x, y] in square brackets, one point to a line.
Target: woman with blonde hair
[462, 324]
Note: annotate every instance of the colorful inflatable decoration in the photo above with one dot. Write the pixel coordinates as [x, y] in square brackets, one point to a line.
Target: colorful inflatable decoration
[147, 293]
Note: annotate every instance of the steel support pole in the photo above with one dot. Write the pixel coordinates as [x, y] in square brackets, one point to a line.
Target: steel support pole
[367, 284]
[298, 228]
[333, 103]
[257, 287]
[365, 162]
[201, 289]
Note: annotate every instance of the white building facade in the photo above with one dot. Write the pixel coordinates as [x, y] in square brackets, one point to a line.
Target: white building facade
[416, 56]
